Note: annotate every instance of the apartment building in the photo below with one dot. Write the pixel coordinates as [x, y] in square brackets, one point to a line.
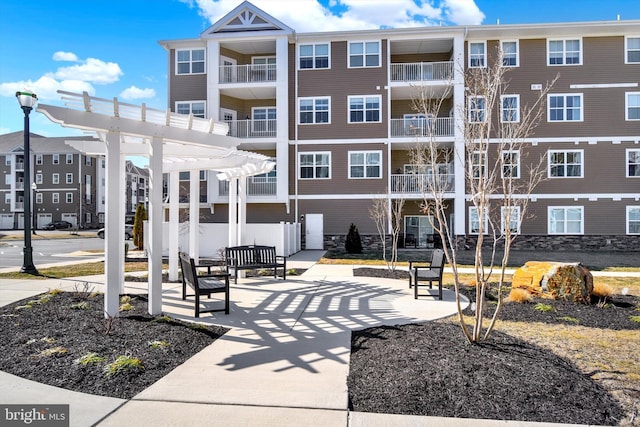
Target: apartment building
[335, 112]
[65, 184]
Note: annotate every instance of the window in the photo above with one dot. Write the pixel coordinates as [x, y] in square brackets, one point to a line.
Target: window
[632, 106]
[632, 50]
[69, 197]
[190, 61]
[55, 198]
[314, 56]
[510, 108]
[365, 164]
[191, 107]
[511, 216]
[7, 161]
[510, 54]
[264, 119]
[263, 68]
[69, 159]
[364, 109]
[478, 164]
[38, 159]
[314, 110]
[474, 221]
[87, 161]
[69, 178]
[478, 54]
[565, 220]
[564, 52]
[565, 164]
[564, 108]
[633, 163]
[364, 54]
[55, 159]
[7, 179]
[55, 178]
[38, 198]
[87, 218]
[633, 219]
[510, 163]
[38, 178]
[315, 165]
[7, 198]
[477, 109]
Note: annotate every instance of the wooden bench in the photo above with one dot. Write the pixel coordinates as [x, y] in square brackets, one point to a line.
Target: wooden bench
[203, 284]
[254, 257]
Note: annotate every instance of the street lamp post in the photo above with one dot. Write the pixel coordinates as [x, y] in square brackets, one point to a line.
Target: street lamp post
[27, 100]
[34, 187]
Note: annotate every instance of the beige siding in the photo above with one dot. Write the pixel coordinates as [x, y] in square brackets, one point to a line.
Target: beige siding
[185, 87]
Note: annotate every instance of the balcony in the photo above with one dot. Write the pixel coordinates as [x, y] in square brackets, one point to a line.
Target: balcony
[19, 165]
[422, 127]
[422, 71]
[20, 185]
[251, 73]
[255, 187]
[252, 128]
[419, 183]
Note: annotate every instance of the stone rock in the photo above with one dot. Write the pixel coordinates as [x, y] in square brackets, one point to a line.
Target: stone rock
[555, 280]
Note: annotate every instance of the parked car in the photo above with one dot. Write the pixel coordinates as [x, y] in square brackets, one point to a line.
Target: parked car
[57, 225]
[128, 232]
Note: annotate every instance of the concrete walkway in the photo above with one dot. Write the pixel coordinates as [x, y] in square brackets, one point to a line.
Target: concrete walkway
[283, 363]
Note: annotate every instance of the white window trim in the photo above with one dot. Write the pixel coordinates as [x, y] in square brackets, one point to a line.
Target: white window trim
[328, 44]
[550, 208]
[68, 197]
[190, 61]
[549, 152]
[517, 176]
[38, 198]
[564, 51]
[626, 162]
[38, 159]
[365, 152]
[314, 98]
[364, 97]
[191, 106]
[364, 53]
[300, 153]
[502, 97]
[626, 106]
[629, 209]
[8, 179]
[55, 198]
[68, 178]
[517, 42]
[484, 166]
[38, 178]
[515, 210]
[626, 49]
[473, 209]
[484, 57]
[55, 178]
[484, 115]
[55, 159]
[565, 107]
[69, 159]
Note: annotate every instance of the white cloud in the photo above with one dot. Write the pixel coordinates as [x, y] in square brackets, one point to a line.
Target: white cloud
[91, 70]
[65, 56]
[45, 87]
[133, 92]
[463, 12]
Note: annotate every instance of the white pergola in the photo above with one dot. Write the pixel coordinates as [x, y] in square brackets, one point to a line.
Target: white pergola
[173, 143]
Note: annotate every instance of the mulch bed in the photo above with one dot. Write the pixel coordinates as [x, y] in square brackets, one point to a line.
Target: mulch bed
[42, 343]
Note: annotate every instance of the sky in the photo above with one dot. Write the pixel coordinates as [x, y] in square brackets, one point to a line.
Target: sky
[109, 48]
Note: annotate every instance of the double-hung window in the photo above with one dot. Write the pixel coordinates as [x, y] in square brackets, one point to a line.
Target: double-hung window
[55, 178]
[477, 54]
[55, 159]
[190, 61]
[314, 110]
[364, 109]
[565, 220]
[364, 54]
[69, 159]
[564, 107]
[477, 109]
[69, 197]
[314, 56]
[510, 216]
[564, 52]
[632, 50]
[511, 164]
[365, 164]
[69, 178]
[38, 178]
[474, 221]
[510, 57]
[633, 219]
[38, 198]
[191, 107]
[38, 159]
[55, 197]
[632, 106]
[264, 119]
[478, 164]
[510, 108]
[565, 163]
[633, 163]
[315, 165]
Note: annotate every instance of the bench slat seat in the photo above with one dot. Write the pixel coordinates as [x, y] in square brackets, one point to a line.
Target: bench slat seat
[254, 257]
[203, 284]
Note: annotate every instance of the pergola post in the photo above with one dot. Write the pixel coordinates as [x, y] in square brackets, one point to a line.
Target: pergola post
[233, 212]
[113, 261]
[174, 223]
[155, 227]
[242, 210]
[194, 215]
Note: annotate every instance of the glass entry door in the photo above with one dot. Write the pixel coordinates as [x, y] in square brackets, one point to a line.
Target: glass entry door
[418, 232]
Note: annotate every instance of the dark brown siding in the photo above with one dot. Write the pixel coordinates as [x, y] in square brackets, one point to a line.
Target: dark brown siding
[339, 214]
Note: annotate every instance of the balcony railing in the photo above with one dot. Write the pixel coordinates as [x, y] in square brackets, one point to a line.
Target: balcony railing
[255, 187]
[20, 165]
[251, 73]
[422, 127]
[419, 183]
[422, 71]
[252, 128]
[19, 185]
[19, 206]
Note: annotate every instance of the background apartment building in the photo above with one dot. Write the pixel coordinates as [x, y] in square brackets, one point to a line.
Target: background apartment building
[69, 186]
[335, 112]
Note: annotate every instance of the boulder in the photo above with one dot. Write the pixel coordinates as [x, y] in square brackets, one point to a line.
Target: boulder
[555, 280]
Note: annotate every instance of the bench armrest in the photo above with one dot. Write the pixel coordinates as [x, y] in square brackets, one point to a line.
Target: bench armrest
[420, 264]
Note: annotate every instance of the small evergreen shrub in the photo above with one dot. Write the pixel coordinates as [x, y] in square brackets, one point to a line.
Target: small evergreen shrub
[353, 244]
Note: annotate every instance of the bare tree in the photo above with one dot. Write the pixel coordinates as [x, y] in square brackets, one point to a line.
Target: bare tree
[494, 129]
[384, 213]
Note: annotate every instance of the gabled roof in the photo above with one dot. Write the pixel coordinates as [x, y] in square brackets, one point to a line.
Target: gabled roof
[246, 17]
